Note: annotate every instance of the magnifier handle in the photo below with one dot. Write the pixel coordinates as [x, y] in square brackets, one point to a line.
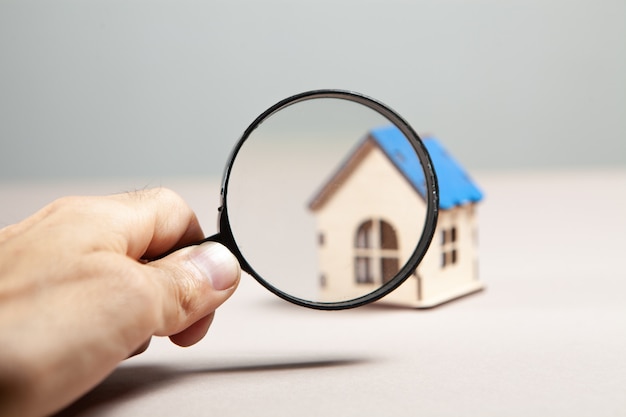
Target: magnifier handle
[214, 238]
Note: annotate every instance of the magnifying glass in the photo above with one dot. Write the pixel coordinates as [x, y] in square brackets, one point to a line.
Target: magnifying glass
[329, 200]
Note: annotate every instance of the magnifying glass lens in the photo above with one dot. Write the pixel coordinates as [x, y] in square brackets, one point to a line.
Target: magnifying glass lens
[327, 201]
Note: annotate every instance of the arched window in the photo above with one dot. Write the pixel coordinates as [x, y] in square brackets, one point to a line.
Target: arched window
[376, 252]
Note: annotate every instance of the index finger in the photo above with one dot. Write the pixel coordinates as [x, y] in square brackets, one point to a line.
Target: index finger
[145, 223]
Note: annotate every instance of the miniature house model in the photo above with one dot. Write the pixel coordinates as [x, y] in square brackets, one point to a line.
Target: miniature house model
[363, 241]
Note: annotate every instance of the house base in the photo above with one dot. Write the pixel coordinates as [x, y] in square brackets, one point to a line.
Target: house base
[430, 302]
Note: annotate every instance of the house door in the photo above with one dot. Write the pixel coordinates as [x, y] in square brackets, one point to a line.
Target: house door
[376, 252]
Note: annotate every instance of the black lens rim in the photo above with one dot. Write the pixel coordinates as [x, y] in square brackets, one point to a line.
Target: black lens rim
[225, 235]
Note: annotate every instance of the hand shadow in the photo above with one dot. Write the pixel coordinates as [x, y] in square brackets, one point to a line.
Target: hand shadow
[130, 381]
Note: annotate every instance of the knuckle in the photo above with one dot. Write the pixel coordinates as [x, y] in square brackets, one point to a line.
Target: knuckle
[62, 204]
[160, 193]
[182, 293]
[76, 207]
[187, 294]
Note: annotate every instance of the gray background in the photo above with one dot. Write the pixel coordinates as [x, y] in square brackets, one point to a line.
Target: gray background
[164, 88]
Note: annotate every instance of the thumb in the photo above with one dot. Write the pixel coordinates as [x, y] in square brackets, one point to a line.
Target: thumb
[196, 280]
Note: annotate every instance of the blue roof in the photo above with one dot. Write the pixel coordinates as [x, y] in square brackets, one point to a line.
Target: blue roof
[455, 185]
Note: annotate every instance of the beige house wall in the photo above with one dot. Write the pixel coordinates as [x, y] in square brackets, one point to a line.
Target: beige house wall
[373, 188]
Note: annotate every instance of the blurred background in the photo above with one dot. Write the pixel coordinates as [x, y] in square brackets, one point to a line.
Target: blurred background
[150, 88]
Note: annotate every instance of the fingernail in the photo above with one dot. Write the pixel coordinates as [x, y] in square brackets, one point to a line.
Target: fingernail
[217, 264]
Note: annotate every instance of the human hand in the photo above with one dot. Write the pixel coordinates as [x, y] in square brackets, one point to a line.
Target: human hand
[77, 296]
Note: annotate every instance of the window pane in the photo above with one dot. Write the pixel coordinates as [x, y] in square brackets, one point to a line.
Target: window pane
[364, 235]
[363, 270]
[388, 238]
[390, 267]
